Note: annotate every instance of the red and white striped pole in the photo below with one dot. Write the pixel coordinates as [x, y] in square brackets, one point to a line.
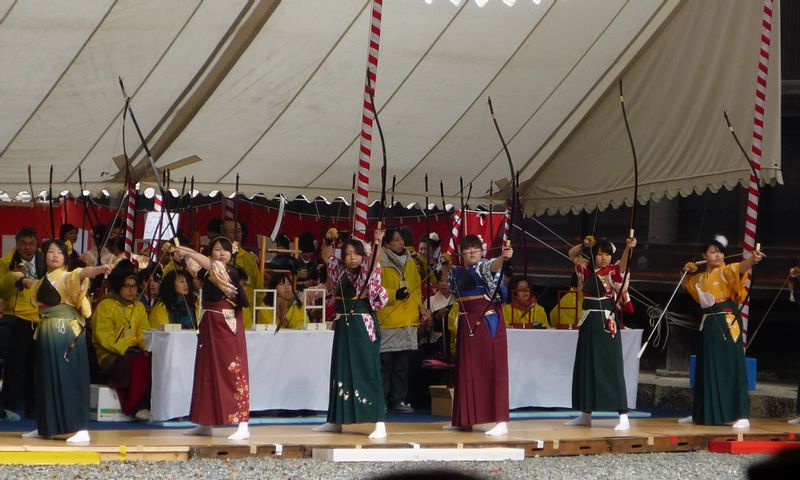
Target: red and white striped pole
[157, 206]
[455, 231]
[507, 224]
[751, 217]
[367, 119]
[229, 207]
[129, 219]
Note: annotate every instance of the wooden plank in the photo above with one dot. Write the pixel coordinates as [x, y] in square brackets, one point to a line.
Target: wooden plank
[684, 443]
[220, 451]
[535, 437]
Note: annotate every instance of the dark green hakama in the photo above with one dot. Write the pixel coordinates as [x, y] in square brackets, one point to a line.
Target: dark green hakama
[356, 389]
[720, 385]
[598, 377]
[62, 386]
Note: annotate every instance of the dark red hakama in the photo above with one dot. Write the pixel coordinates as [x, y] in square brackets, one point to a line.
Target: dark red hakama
[481, 390]
[221, 392]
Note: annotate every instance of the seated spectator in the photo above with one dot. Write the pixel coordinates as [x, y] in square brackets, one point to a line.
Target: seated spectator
[569, 309]
[149, 281]
[428, 246]
[89, 256]
[119, 322]
[524, 311]
[177, 302]
[437, 337]
[289, 313]
[310, 269]
[284, 261]
[69, 233]
[213, 230]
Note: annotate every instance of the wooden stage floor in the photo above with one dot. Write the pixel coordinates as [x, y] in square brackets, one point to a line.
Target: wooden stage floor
[537, 437]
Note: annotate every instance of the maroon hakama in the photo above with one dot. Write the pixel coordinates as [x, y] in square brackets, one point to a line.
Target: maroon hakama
[481, 390]
[221, 392]
[130, 376]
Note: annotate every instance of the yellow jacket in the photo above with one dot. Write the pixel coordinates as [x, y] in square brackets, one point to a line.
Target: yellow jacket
[401, 313]
[294, 317]
[159, 315]
[249, 263]
[452, 327]
[535, 315]
[16, 302]
[116, 327]
[567, 306]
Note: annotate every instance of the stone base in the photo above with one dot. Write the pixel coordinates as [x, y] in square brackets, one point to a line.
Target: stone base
[768, 400]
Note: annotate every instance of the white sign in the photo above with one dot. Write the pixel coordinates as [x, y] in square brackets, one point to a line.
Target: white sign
[156, 227]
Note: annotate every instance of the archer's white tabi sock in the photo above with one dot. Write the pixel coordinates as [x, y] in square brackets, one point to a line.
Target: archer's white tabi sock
[241, 433]
[582, 420]
[624, 424]
[741, 423]
[499, 430]
[81, 437]
[379, 432]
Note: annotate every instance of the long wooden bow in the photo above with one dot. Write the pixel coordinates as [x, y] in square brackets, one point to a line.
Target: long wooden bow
[631, 230]
[514, 205]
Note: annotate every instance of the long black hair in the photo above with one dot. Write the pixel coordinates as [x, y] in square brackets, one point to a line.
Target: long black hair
[167, 293]
[61, 246]
[276, 279]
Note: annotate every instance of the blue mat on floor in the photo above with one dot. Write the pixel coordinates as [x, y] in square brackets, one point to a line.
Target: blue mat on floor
[545, 414]
[315, 420]
[420, 416]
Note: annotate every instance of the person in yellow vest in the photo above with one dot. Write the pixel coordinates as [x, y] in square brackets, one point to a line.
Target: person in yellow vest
[523, 311]
[20, 318]
[177, 302]
[289, 313]
[118, 326]
[248, 262]
[569, 308]
[399, 319]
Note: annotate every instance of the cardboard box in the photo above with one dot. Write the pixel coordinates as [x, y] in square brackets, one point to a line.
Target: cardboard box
[441, 400]
[104, 405]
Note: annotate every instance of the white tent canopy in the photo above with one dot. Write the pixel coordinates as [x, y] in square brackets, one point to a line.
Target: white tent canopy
[271, 90]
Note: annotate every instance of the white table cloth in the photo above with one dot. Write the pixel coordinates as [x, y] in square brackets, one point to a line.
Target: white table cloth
[291, 370]
[540, 366]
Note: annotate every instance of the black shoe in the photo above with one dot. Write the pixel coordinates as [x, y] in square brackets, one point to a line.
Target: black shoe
[403, 407]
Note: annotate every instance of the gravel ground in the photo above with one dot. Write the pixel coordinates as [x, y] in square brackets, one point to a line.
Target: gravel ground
[657, 466]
